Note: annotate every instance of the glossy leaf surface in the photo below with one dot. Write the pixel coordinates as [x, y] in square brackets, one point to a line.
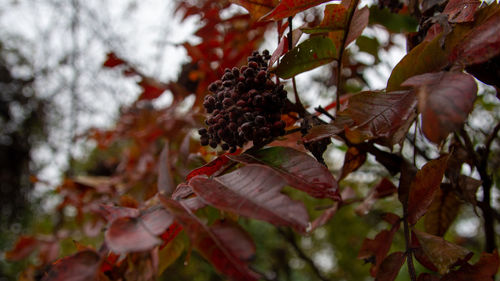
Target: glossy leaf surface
[308, 55]
[253, 191]
[299, 170]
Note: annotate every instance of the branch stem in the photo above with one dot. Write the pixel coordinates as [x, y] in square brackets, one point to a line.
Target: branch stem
[341, 54]
[409, 250]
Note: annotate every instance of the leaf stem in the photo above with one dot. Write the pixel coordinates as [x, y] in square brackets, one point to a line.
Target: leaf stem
[298, 103]
[341, 54]
[291, 240]
[409, 250]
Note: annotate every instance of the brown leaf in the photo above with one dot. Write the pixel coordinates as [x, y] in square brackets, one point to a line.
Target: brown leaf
[257, 8]
[358, 24]
[481, 44]
[442, 212]
[377, 248]
[484, 270]
[445, 99]
[82, 266]
[253, 191]
[390, 267]
[461, 10]
[441, 253]
[424, 186]
[468, 187]
[382, 115]
[352, 161]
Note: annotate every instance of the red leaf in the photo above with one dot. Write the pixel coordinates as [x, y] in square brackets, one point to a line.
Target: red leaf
[325, 216]
[280, 50]
[420, 255]
[111, 213]
[377, 248]
[461, 10]
[358, 24]
[424, 187]
[382, 115]
[209, 168]
[156, 220]
[327, 130]
[484, 270]
[481, 44]
[257, 8]
[25, 245]
[129, 234]
[384, 188]
[217, 246]
[112, 60]
[151, 89]
[442, 212]
[82, 266]
[254, 192]
[288, 8]
[170, 233]
[352, 161]
[390, 267]
[440, 252]
[299, 170]
[165, 182]
[445, 99]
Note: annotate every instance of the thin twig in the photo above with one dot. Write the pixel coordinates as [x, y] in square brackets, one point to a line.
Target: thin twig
[321, 110]
[341, 53]
[409, 250]
[482, 168]
[291, 240]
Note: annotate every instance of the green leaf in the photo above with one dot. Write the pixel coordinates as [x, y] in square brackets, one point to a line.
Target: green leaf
[308, 55]
[393, 22]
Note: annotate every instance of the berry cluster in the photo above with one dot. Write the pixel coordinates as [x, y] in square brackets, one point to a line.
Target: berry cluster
[245, 105]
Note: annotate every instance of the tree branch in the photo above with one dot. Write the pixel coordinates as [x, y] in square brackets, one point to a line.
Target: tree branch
[289, 237]
[481, 162]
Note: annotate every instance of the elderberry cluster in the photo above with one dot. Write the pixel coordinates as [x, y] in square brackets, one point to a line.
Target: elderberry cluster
[245, 105]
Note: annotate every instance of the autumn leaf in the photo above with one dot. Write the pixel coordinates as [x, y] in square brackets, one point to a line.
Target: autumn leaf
[25, 245]
[353, 159]
[257, 8]
[358, 24]
[381, 115]
[252, 191]
[134, 234]
[424, 187]
[308, 55]
[461, 10]
[151, 89]
[390, 267]
[209, 168]
[165, 182]
[427, 277]
[442, 212]
[484, 270]
[112, 60]
[481, 44]
[288, 8]
[377, 248]
[111, 213]
[82, 266]
[441, 253]
[299, 170]
[445, 99]
[226, 246]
